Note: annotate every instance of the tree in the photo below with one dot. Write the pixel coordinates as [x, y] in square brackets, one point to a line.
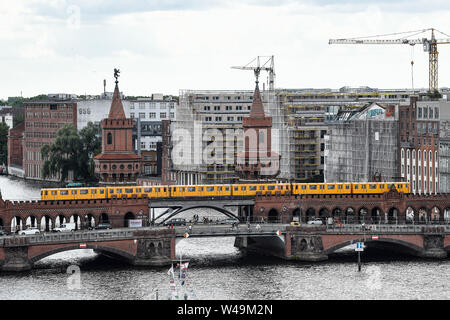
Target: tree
[3, 143]
[72, 151]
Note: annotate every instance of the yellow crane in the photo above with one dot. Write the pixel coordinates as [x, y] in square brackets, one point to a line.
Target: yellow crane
[429, 45]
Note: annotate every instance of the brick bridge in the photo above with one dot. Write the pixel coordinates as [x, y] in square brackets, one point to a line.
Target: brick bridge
[426, 235]
[156, 246]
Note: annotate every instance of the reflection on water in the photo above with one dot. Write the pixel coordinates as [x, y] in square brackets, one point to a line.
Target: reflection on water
[219, 271]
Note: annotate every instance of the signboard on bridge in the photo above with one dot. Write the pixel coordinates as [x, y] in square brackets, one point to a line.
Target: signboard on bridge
[359, 246]
[135, 223]
[82, 245]
[374, 237]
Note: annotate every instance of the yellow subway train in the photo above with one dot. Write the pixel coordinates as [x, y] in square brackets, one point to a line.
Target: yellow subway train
[180, 191]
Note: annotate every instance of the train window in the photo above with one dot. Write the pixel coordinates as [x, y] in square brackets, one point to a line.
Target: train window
[322, 187]
[340, 186]
[399, 186]
[128, 190]
[93, 191]
[102, 191]
[313, 187]
[84, 191]
[243, 188]
[165, 189]
[219, 188]
[280, 187]
[363, 186]
[138, 190]
[356, 186]
[111, 190]
[54, 193]
[227, 188]
[261, 188]
[119, 190]
[372, 186]
[158, 189]
[347, 186]
[46, 192]
[296, 187]
[331, 186]
[304, 187]
[236, 188]
[270, 187]
[64, 192]
[147, 189]
[381, 186]
[252, 188]
[209, 188]
[191, 189]
[200, 188]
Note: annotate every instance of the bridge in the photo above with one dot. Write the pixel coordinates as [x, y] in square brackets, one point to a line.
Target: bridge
[415, 224]
[156, 246]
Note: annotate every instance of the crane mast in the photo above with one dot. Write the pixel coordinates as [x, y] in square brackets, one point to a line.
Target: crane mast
[429, 45]
[266, 66]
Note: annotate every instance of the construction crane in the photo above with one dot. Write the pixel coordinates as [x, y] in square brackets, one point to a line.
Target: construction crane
[429, 45]
[266, 66]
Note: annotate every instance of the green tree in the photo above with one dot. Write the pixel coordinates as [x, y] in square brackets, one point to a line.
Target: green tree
[3, 143]
[72, 151]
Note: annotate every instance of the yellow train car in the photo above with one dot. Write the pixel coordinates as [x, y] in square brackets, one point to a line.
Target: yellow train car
[321, 188]
[380, 187]
[73, 193]
[139, 191]
[200, 191]
[253, 189]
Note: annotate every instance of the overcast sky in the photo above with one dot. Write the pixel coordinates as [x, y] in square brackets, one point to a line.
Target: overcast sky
[162, 46]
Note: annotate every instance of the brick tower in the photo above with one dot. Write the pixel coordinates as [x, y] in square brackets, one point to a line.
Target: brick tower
[117, 164]
[257, 161]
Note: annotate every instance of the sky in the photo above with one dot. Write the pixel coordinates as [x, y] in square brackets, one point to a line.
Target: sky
[62, 46]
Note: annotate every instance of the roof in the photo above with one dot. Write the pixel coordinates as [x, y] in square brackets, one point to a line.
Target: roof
[257, 108]
[116, 110]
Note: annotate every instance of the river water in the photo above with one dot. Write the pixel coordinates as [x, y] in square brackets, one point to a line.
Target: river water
[218, 271]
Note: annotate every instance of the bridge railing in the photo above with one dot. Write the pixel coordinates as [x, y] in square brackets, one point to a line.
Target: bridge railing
[387, 228]
[66, 237]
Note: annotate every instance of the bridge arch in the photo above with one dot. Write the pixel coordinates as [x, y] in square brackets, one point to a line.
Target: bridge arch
[435, 214]
[60, 220]
[218, 209]
[296, 214]
[337, 215]
[31, 221]
[387, 243]
[75, 218]
[375, 215]
[89, 220]
[104, 218]
[128, 216]
[98, 248]
[410, 214]
[423, 215]
[16, 223]
[350, 215]
[310, 214]
[362, 214]
[447, 214]
[47, 223]
[393, 215]
[324, 213]
[273, 215]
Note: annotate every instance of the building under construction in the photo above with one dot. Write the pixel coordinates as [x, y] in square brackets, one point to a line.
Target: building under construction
[363, 145]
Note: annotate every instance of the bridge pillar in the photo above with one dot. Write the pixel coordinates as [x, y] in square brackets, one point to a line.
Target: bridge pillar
[155, 248]
[304, 244]
[15, 259]
[433, 245]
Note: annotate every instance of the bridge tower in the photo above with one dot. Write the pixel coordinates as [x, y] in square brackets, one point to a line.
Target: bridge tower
[257, 162]
[117, 163]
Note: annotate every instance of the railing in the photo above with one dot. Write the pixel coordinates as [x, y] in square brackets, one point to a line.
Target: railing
[383, 228]
[68, 237]
[230, 230]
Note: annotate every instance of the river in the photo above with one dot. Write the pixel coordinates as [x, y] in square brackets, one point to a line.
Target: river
[218, 271]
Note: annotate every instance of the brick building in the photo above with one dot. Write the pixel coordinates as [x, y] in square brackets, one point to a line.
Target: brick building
[419, 143]
[117, 163]
[42, 120]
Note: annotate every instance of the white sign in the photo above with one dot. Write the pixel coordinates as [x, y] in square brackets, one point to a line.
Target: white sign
[359, 246]
[135, 223]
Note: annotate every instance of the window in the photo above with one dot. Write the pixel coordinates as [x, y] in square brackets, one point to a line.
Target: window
[313, 187]
[270, 187]
[85, 191]
[206, 108]
[147, 189]
[331, 186]
[128, 190]
[252, 188]
[109, 138]
[191, 189]
[141, 115]
[152, 115]
[64, 192]
[209, 188]
[163, 115]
